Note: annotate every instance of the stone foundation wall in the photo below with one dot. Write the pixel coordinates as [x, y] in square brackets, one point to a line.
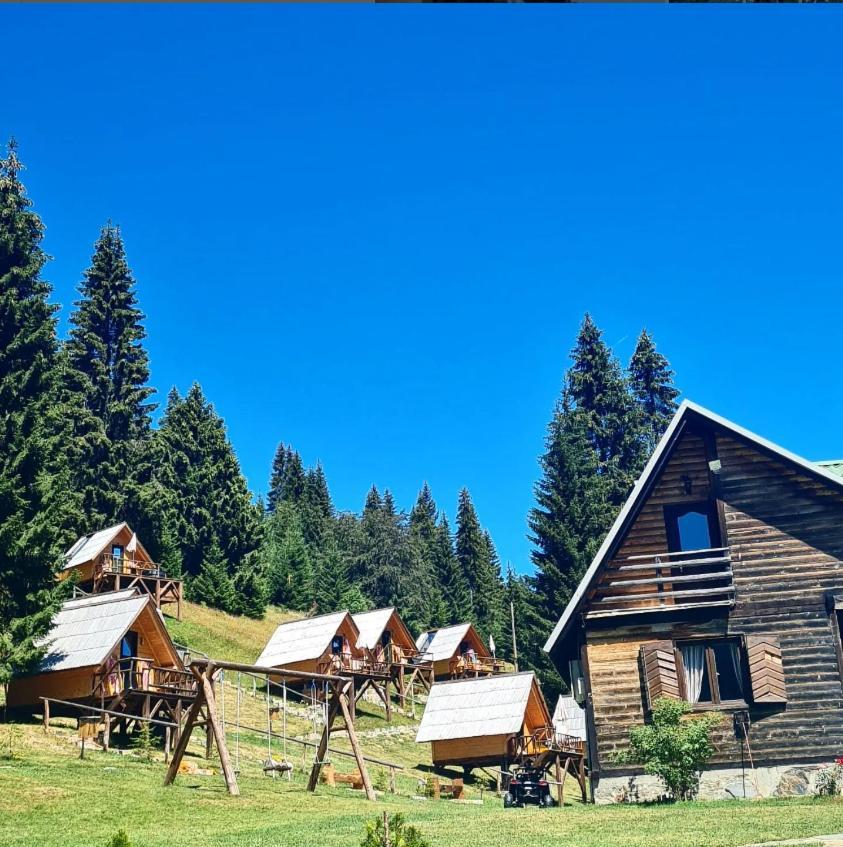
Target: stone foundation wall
[717, 784]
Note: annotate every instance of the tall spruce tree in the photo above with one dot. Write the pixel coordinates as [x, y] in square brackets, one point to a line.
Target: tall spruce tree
[651, 383]
[36, 502]
[452, 582]
[109, 372]
[423, 537]
[210, 502]
[595, 385]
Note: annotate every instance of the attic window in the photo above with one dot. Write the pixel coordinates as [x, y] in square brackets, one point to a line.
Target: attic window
[691, 526]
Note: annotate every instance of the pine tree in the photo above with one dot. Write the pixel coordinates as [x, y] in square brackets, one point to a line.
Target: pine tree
[210, 502]
[288, 478]
[37, 505]
[651, 383]
[423, 537]
[251, 589]
[455, 591]
[109, 372]
[213, 586]
[490, 592]
[572, 512]
[595, 385]
[332, 584]
[277, 477]
[285, 560]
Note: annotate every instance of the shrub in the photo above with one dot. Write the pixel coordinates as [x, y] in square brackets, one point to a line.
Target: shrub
[392, 831]
[380, 783]
[673, 748]
[144, 742]
[830, 780]
[119, 839]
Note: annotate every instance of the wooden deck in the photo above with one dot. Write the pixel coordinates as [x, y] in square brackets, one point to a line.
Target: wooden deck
[114, 574]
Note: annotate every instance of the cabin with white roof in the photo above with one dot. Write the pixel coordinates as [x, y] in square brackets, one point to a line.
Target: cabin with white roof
[114, 559]
[495, 721]
[111, 651]
[457, 651]
[720, 584]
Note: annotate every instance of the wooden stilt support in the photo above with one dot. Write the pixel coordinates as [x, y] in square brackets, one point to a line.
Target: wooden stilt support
[560, 780]
[581, 779]
[209, 736]
[355, 746]
[219, 736]
[46, 717]
[184, 737]
[322, 748]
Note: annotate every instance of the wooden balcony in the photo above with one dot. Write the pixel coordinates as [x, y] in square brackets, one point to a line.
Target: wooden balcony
[666, 582]
[462, 667]
[113, 573]
[138, 675]
[544, 742]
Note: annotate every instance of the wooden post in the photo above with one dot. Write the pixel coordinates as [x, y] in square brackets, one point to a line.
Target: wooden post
[46, 717]
[388, 702]
[209, 730]
[177, 716]
[392, 780]
[166, 744]
[355, 746]
[514, 642]
[106, 733]
[402, 693]
[560, 780]
[581, 778]
[322, 748]
[219, 735]
[184, 737]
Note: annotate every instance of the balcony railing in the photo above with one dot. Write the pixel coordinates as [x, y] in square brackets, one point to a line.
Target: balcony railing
[136, 673]
[108, 564]
[544, 740]
[461, 666]
[665, 582]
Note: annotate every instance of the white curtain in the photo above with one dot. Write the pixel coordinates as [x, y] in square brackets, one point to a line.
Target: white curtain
[693, 658]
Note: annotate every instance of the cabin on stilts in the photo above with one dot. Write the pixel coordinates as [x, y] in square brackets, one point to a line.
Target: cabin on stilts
[457, 651]
[388, 641]
[327, 645]
[497, 721]
[720, 584]
[113, 559]
[110, 652]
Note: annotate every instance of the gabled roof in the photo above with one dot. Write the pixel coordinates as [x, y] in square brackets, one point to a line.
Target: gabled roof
[834, 466]
[372, 624]
[685, 411]
[439, 644]
[302, 640]
[467, 708]
[569, 717]
[89, 546]
[86, 630]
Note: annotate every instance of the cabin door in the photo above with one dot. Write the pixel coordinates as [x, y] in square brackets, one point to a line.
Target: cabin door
[128, 650]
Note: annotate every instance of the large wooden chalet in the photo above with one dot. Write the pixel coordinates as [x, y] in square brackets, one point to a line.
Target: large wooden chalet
[721, 583]
[110, 651]
[113, 559]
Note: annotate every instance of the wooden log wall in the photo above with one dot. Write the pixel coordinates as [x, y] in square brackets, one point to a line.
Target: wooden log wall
[785, 530]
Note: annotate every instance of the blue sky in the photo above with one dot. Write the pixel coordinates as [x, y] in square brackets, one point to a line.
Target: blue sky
[372, 231]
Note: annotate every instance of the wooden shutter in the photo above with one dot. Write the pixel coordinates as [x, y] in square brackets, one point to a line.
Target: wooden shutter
[766, 672]
[658, 661]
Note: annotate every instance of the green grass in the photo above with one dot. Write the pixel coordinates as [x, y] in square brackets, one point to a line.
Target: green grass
[51, 798]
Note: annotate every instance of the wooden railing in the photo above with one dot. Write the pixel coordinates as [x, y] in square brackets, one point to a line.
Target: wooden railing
[112, 573]
[666, 581]
[109, 564]
[134, 673]
[477, 666]
[544, 740]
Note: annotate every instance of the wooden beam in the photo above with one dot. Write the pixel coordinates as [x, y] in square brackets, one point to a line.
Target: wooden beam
[355, 746]
[184, 738]
[219, 737]
[322, 747]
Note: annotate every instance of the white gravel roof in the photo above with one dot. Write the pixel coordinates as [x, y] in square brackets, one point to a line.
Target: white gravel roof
[89, 546]
[86, 630]
[468, 708]
[299, 641]
[442, 643]
[371, 625]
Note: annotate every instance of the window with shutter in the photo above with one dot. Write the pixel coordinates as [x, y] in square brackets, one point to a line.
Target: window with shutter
[766, 672]
[658, 662]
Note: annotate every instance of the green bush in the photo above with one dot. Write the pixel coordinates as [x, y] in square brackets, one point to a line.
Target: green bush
[144, 742]
[673, 748]
[119, 839]
[392, 832]
[380, 783]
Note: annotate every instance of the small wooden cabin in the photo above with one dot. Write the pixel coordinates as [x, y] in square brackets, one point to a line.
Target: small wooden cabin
[720, 583]
[483, 721]
[321, 644]
[113, 559]
[110, 650]
[456, 651]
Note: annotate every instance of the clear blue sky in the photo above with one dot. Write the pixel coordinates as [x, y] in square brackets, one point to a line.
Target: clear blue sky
[373, 231]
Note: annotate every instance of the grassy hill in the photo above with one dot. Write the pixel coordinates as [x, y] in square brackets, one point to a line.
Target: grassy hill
[49, 797]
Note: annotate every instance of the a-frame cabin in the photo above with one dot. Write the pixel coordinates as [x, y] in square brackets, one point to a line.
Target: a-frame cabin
[495, 721]
[111, 651]
[327, 644]
[457, 651]
[721, 583]
[114, 559]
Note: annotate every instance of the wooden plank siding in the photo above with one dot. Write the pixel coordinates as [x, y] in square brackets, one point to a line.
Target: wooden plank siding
[785, 531]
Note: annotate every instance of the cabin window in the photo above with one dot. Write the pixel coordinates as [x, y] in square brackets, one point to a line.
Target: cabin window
[117, 551]
[711, 671]
[386, 638]
[336, 645]
[692, 526]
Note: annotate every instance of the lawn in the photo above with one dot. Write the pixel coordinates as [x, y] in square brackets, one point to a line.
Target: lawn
[51, 798]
